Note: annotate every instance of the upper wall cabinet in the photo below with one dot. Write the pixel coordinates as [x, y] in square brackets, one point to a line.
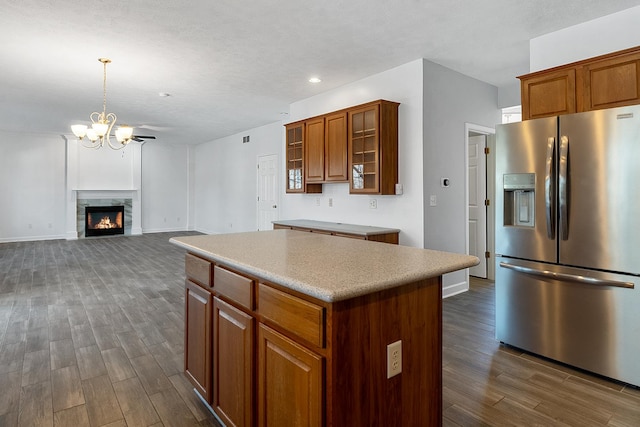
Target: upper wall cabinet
[373, 148]
[295, 154]
[321, 150]
[606, 81]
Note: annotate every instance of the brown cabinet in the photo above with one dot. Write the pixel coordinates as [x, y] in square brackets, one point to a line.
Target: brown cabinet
[233, 356]
[606, 81]
[335, 163]
[295, 149]
[326, 148]
[198, 338]
[262, 354]
[289, 383]
[314, 150]
[321, 150]
[373, 148]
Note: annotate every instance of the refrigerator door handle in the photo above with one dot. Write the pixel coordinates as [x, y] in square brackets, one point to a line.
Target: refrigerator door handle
[563, 187]
[567, 277]
[549, 193]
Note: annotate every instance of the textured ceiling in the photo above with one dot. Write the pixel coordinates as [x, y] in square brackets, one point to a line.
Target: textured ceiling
[231, 65]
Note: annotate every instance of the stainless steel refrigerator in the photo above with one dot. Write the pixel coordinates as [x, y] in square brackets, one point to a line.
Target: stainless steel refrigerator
[568, 239]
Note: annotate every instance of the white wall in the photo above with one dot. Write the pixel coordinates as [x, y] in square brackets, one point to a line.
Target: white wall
[596, 37]
[32, 196]
[451, 99]
[401, 84]
[165, 182]
[225, 179]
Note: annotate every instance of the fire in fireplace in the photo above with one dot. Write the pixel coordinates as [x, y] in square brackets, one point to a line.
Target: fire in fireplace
[104, 220]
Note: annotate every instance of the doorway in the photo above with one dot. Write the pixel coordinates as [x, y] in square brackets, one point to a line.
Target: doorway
[267, 191]
[480, 143]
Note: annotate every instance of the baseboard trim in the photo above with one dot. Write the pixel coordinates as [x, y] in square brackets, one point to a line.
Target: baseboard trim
[455, 289]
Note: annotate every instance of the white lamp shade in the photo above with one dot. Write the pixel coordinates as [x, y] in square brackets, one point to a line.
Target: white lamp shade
[124, 133]
[100, 129]
[92, 135]
[79, 130]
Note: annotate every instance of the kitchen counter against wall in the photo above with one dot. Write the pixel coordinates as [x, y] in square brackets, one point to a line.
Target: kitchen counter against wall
[354, 231]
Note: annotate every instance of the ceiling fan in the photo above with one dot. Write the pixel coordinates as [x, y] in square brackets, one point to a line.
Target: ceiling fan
[140, 138]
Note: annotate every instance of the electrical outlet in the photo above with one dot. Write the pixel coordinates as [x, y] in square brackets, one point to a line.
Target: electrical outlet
[330, 202]
[373, 204]
[394, 359]
[317, 201]
[433, 200]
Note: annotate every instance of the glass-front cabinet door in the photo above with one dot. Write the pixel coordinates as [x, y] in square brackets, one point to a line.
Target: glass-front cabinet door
[363, 147]
[295, 158]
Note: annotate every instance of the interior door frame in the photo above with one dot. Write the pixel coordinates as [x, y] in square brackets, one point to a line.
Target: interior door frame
[277, 190]
[490, 169]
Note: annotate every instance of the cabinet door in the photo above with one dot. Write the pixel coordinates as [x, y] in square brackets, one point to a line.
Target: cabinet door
[197, 357]
[295, 159]
[314, 150]
[612, 83]
[289, 382]
[335, 162]
[549, 94]
[232, 364]
[363, 148]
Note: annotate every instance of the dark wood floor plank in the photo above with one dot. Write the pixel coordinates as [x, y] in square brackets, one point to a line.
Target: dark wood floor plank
[36, 367]
[10, 386]
[62, 354]
[67, 388]
[72, 417]
[90, 362]
[132, 344]
[172, 409]
[35, 406]
[135, 404]
[118, 365]
[150, 374]
[102, 404]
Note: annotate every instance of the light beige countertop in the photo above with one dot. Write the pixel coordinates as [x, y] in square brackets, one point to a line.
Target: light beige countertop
[337, 227]
[325, 267]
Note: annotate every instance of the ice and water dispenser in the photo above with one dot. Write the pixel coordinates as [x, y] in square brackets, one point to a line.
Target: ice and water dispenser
[519, 199]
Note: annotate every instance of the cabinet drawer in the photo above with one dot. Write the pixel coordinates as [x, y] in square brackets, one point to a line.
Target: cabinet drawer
[301, 317]
[198, 269]
[233, 286]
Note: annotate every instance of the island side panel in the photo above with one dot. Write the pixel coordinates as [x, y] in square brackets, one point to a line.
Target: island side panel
[358, 391]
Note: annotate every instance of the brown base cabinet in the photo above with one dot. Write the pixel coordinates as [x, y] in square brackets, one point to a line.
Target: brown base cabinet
[264, 355]
[197, 354]
[289, 383]
[233, 355]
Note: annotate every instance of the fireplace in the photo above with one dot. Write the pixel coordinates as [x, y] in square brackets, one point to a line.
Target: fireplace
[104, 220]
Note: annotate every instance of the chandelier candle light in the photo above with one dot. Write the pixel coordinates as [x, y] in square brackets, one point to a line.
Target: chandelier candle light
[102, 124]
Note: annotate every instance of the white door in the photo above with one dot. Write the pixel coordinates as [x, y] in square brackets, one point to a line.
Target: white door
[267, 191]
[477, 207]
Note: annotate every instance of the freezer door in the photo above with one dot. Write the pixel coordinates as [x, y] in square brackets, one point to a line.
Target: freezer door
[526, 165]
[585, 318]
[599, 172]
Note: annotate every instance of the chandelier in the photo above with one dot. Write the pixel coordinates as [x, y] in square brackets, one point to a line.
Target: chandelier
[102, 124]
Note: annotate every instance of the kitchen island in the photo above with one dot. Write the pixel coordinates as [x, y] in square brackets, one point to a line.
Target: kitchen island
[291, 328]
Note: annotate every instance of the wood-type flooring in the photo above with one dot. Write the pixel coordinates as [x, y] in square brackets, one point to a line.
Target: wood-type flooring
[92, 334]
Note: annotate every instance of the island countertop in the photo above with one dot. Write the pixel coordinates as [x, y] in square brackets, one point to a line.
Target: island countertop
[324, 267]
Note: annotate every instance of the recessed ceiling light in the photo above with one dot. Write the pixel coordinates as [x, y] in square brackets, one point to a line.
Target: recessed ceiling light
[164, 94]
[314, 80]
